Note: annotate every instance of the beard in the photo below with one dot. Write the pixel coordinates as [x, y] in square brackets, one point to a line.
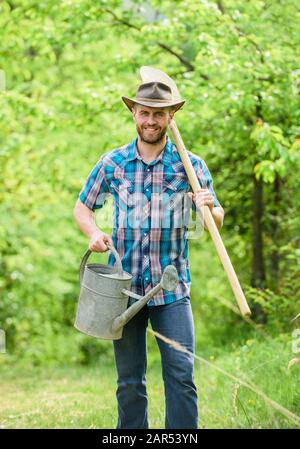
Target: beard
[154, 137]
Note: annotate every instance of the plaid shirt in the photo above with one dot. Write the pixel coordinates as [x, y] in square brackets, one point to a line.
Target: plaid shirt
[151, 215]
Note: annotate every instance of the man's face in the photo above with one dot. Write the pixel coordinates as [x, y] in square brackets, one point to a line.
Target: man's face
[151, 123]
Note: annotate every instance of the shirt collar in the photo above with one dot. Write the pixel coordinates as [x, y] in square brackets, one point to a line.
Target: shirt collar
[164, 157]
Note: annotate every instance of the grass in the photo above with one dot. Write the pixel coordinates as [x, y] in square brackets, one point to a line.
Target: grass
[74, 396]
[84, 397]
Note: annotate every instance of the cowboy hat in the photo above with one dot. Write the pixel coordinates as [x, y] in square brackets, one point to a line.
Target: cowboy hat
[154, 95]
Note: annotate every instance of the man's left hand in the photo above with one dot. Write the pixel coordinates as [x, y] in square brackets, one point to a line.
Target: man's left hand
[202, 197]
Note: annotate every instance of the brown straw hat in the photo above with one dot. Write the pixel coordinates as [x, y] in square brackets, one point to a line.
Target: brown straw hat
[154, 95]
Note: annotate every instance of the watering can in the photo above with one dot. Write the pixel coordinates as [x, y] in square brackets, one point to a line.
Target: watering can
[102, 308]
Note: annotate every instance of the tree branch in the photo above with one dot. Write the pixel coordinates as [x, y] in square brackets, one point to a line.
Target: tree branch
[221, 8]
[165, 47]
[121, 21]
[184, 61]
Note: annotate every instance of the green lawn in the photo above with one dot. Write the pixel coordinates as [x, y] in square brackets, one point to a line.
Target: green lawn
[84, 397]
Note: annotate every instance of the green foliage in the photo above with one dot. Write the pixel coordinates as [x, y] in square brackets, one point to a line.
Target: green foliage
[84, 397]
[66, 65]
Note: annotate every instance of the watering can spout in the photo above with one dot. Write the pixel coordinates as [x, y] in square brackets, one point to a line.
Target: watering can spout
[169, 281]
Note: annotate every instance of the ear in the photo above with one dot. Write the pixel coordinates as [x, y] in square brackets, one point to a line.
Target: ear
[133, 110]
[171, 114]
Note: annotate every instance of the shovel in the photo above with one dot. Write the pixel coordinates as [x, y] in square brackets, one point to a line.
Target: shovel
[150, 74]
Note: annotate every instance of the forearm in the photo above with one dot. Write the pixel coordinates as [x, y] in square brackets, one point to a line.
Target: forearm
[203, 197]
[85, 219]
[218, 216]
[87, 225]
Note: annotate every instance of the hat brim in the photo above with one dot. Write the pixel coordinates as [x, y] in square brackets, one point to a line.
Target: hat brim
[152, 104]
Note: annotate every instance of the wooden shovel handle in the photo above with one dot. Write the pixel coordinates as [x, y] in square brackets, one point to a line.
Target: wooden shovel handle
[210, 223]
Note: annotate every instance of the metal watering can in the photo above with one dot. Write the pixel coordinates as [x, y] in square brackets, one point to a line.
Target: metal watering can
[102, 308]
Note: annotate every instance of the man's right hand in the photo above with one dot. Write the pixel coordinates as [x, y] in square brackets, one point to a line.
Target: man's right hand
[98, 242]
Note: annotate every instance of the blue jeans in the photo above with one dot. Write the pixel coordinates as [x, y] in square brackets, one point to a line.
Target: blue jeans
[175, 321]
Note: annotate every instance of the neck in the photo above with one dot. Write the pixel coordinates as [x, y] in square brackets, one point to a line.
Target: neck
[148, 151]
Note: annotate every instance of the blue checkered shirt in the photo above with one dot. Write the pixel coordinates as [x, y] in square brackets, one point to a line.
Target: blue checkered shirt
[152, 213]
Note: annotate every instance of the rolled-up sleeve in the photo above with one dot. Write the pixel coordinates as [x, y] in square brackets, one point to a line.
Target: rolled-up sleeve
[205, 180]
[95, 190]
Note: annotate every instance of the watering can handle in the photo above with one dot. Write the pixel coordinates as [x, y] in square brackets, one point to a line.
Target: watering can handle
[117, 257]
[89, 252]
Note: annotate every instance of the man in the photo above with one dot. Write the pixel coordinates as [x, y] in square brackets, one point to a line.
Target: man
[146, 178]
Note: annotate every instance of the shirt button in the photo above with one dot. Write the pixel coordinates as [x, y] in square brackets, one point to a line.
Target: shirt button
[148, 169]
[145, 233]
[147, 190]
[146, 279]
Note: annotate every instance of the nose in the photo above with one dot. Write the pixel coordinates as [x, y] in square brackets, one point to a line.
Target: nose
[151, 121]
